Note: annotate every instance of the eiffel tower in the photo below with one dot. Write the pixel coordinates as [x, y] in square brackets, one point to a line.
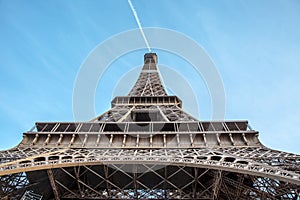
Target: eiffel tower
[147, 147]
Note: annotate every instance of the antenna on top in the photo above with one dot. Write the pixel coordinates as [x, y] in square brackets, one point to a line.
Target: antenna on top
[139, 25]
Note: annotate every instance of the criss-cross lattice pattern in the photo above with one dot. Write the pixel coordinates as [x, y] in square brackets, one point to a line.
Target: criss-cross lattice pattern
[149, 82]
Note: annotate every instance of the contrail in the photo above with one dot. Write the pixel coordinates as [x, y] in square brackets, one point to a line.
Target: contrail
[139, 24]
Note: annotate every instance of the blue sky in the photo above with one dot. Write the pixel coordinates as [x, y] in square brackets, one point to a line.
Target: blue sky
[254, 44]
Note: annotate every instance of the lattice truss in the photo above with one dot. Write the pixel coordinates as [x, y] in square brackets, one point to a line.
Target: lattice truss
[149, 82]
[147, 147]
[162, 182]
[125, 181]
[124, 173]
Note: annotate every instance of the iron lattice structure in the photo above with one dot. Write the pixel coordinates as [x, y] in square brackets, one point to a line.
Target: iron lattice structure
[147, 147]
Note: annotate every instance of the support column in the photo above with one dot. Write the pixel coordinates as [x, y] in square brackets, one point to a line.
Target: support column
[134, 171]
[216, 184]
[52, 183]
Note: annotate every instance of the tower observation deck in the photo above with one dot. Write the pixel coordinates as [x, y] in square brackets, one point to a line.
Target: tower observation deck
[146, 147]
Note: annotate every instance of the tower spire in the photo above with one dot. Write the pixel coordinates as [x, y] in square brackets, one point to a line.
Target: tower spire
[149, 82]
